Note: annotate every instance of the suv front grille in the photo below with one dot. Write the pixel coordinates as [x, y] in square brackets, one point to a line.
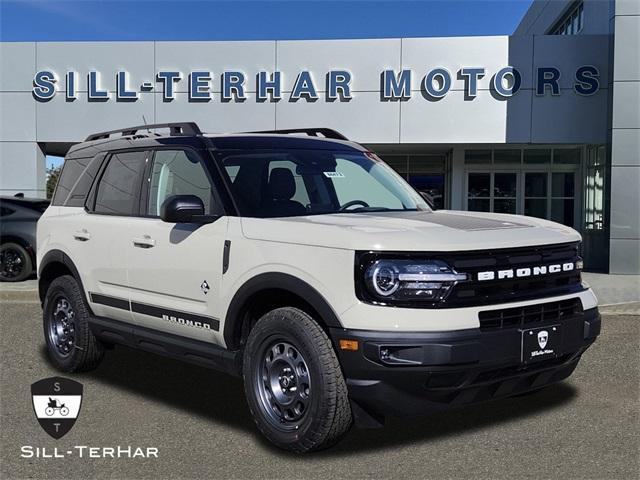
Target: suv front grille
[531, 315]
[476, 292]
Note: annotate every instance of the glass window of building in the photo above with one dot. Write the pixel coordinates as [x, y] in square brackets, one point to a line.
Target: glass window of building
[511, 156]
[477, 156]
[537, 155]
[535, 181]
[424, 172]
[571, 23]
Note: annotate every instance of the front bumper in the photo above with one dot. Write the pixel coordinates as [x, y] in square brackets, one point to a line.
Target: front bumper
[413, 373]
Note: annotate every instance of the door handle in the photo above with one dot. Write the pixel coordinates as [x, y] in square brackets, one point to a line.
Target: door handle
[82, 235]
[144, 242]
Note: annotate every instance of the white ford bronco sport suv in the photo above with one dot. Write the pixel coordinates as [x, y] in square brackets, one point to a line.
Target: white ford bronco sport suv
[307, 266]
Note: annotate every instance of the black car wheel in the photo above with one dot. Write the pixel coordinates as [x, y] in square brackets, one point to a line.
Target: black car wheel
[15, 263]
[71, 345]
[293, 382]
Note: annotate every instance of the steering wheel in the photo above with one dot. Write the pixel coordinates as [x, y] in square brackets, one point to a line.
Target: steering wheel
[352, 203]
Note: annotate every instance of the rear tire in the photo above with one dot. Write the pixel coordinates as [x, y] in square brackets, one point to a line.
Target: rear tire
[71, 345]
[15, 263]
[293, 382]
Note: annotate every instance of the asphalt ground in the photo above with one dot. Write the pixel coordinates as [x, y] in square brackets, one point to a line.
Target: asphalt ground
[585, 427]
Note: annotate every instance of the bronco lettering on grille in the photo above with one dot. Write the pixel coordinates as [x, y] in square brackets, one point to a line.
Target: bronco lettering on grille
[524, 272]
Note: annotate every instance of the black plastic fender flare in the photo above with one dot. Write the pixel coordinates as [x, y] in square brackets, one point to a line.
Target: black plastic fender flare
[280, 281]
[58, 256]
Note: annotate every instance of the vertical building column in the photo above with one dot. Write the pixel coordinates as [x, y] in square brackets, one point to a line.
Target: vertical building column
[457, 178]
[625, 141]
[22, 169]
[22, 162]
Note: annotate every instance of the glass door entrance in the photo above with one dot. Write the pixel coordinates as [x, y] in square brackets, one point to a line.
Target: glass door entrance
[550, 195]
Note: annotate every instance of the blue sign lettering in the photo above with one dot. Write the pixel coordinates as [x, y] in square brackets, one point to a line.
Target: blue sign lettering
[168, 79]
[505, 86]
[396, 86]
[44, 85]
[304, 87]
[338, 85]
[70, 94]
[265, 87]
[122, 94]
[437, 82]
[199, 86]
[548, 76]
[233, 84]
[471, 76]
[587, 82]
[94, 92]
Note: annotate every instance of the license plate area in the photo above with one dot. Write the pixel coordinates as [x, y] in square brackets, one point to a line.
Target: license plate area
[539, 344]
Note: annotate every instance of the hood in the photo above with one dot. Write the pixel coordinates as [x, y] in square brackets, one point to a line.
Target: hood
[442, 230]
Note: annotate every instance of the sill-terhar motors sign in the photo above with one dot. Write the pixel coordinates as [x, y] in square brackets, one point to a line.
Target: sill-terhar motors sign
[336, 84]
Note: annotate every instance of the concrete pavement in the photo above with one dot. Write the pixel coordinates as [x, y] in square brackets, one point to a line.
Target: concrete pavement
[586, 427]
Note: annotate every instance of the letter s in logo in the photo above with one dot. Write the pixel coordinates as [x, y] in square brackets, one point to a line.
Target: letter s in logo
[587, 80]
[44, 86]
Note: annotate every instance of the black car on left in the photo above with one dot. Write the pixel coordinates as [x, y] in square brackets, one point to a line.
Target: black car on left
[18, 219]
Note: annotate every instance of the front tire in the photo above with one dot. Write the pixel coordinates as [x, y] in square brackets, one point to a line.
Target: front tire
[71, 345]
[293, 382]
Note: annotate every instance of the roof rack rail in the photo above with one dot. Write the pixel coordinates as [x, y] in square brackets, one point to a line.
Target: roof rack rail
[312, 132]
[175, 129]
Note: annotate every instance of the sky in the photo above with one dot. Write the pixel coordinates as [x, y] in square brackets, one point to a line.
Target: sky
[120, 20]
[80, 20]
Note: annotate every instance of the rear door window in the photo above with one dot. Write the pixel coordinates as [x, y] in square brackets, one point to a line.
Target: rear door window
[119, 187]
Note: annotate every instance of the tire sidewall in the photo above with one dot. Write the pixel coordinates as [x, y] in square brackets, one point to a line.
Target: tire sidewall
[273, 327]
[68, 288]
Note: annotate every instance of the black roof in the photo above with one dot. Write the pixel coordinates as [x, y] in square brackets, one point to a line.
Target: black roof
[274, 141]
[188, 134]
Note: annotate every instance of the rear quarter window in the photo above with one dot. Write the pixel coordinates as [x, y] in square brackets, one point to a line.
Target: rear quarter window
[75, 181]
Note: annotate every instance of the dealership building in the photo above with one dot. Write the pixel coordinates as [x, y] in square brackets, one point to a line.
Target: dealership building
[545, 122]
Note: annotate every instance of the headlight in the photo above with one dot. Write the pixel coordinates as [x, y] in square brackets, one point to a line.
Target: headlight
[410, 280]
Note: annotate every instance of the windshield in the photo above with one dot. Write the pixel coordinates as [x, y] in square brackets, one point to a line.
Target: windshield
[286, 183]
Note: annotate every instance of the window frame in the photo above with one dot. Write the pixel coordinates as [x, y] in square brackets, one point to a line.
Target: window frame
[90, 202]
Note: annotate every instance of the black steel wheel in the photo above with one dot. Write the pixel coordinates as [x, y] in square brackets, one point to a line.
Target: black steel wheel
[283, 384]
[62, 326]
[293, 382]
[15, 263]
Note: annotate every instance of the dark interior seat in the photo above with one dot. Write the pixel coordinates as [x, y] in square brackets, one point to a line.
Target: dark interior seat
[280, 189]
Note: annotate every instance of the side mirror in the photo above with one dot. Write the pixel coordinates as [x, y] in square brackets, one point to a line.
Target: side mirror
[184, 209]
[427, 198]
